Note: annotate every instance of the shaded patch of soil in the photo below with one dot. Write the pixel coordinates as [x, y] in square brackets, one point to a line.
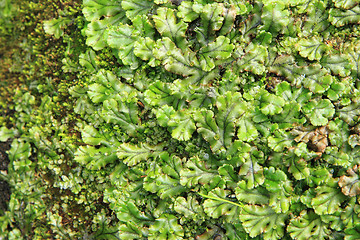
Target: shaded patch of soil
[4, 159]
[4, 186]
[4, 195]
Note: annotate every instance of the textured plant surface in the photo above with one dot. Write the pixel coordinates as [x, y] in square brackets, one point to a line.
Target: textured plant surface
[138, 119]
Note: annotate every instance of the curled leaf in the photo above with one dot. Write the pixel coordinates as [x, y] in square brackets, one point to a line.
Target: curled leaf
[319, 111]
[350, 183]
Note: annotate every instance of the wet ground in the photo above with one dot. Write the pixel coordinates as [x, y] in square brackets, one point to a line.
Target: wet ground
[4, 186]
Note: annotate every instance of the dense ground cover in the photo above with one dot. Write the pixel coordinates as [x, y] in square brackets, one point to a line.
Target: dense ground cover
[137, 119]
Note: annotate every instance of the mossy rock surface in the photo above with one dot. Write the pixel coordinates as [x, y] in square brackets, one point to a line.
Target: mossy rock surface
[133, 119]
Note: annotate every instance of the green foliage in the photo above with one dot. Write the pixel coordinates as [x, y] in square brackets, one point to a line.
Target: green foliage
[219, 131]
[262, 219]
[308, 226]
[5, 134]
[312, 49]
[189, 208]
[166, 227]
[56, 26]
[217, 205]
[319, 111]
[275, 17]
[185, 119]
[339, 17]
[253, 59]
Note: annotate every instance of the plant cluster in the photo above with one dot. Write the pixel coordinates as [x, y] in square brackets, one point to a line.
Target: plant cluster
[226, 119]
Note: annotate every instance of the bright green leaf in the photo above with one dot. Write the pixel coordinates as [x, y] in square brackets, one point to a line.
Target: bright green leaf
[94, 158]
[280, 140]
[132, 154]
[182, 126]
[135, 8]
[345, 4]
[219, 204]
[338, 64]
[253, 172]
[189, 207]
[186, 11]
[263, 220]
[220, 49]
[96, 30]
[166, 227]
[350, 215]
[308, 226]
[94, 10]
[212, 20]
[56, 26]
[195, 172]
[350, 114]
[106, 86]
[88, 61]
[219, 131]
[339, 17]
[163, 185]
[6, 133]
[143, 48]
[253, 59]
[299, 169]
[122, 113]
[312, 48]
[247, 131]
[328, 198]
[275, 17]
[270, 103]
[168, 26]
[130, 231]
[319, 111]
[228, 175]
[123, 38]
[257, 195]
[337, 157]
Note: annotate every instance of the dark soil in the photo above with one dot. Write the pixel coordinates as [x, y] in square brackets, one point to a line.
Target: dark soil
[4, 186]
[4, 159]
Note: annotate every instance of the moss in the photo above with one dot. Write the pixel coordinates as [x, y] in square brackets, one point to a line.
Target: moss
[73, 192]
[32, 63]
